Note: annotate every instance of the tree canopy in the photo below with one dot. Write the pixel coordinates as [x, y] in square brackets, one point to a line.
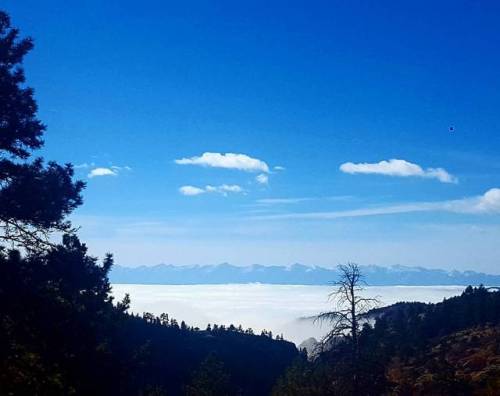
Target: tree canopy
[34, 198]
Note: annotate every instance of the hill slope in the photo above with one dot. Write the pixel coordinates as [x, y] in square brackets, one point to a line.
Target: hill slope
[464, 363]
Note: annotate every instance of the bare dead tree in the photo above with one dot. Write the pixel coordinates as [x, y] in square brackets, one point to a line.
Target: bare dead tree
[349, 307]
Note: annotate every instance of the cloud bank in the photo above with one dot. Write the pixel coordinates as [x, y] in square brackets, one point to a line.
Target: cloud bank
[228, 161]
[398, 167]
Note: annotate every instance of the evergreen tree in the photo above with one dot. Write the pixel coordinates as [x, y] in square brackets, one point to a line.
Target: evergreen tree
[34, 198]
[211, 379]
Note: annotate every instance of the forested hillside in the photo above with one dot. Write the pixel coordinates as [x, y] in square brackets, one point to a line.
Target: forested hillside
[464, 363]
[449, 348]
[61, 334]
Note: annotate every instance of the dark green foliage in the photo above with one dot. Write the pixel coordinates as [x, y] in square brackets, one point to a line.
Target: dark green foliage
[157, 352]
[60, 334]
[34, 199]
[55, 310]
[406, 327]
[306, 378]
[210, 379]
[20, 130]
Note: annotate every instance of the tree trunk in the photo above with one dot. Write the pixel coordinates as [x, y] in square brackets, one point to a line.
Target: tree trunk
[354, 335]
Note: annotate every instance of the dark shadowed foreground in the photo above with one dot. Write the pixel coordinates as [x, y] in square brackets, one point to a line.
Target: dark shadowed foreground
[60, 334]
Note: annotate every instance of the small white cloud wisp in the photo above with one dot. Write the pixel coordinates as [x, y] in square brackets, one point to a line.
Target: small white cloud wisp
[97, 172]
[262, 179]
[398, 167]
[106, 171]
[223, 189]
[488, 203]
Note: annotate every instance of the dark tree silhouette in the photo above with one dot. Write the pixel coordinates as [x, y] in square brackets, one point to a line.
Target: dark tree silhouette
[349, 306]
[34, 198]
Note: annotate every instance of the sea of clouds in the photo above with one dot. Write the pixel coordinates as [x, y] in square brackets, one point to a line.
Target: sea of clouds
[279, 308]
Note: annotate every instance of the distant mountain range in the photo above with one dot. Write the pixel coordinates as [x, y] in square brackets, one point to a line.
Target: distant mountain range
[296, 274]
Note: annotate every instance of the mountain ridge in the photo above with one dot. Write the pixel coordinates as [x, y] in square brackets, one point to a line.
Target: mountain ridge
[295, 274]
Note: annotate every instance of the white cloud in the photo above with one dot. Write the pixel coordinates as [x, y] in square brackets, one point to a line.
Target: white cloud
[488, 203]
[228, 161]
[262, 178]
[223, 189]
[279, 168]
[398, 167]
[101, 172]
[104, 171]
[191, 190]
[230, 188]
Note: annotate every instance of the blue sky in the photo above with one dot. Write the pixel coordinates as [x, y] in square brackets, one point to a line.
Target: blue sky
[337, 115]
